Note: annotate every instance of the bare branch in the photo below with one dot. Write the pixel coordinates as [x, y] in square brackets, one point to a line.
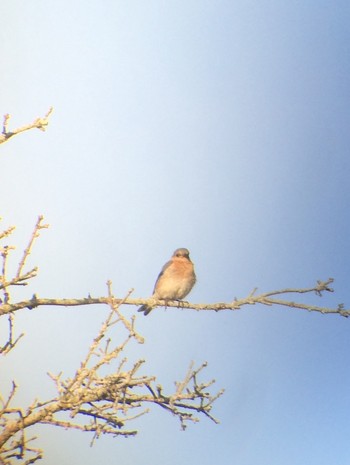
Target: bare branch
[20, 279]
[7, 232]
[39, 123]
[236, 304]
[11, 342]
[103, 403]
[5, 404]
[27, 250]
[130, 326]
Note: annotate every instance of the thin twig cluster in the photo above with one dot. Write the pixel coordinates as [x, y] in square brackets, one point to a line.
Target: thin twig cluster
[101, 403]
[19, 278]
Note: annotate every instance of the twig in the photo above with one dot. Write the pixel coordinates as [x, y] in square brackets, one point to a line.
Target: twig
[7, 232]
[10, 343]
[39, 123]
[27, 250]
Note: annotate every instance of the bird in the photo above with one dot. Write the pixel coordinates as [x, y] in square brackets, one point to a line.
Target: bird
[175, 281]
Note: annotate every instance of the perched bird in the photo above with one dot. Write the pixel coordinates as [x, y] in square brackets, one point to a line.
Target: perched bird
[175, 280]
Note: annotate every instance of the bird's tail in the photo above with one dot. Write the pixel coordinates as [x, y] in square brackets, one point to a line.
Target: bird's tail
[145, 309]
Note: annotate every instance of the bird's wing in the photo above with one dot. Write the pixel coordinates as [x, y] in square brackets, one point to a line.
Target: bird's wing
[165, 267]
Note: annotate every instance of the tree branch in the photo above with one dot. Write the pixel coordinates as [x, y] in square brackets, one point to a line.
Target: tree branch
[39, 123]
[103, 403]
[20, 279]
[27, 250]
[266, 299]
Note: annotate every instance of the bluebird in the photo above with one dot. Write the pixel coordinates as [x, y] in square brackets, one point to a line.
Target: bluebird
[175, 280]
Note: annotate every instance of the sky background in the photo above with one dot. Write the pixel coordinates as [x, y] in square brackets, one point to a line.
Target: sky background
[219, 126]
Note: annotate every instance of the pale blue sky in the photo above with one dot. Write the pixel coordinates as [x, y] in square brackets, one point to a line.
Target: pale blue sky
[222, 127]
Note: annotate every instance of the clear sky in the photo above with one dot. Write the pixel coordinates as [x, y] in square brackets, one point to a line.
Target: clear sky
[219, 126]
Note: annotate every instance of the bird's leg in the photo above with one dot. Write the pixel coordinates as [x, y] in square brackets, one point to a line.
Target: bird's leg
[181, 302]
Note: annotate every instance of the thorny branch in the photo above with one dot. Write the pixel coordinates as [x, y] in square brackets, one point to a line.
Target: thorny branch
[39, 123]
[99, 403]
